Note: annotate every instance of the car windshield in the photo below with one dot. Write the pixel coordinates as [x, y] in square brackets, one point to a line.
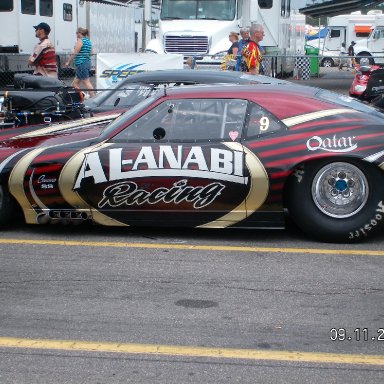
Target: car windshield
[126, 116]
[122, 97]
[198, 9]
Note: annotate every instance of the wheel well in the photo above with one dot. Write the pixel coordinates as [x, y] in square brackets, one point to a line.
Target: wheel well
[13, 207]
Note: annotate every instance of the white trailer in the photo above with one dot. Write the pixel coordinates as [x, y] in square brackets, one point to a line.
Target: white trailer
[200, 28]
[342, 29]
[111, 26]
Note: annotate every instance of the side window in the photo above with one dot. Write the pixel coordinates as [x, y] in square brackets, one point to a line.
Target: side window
[189, 120]
[265, 4]
[46, 8]
[379, 34]
[155, 122]
[28, 7]
[6, 5]
[335, 33]
[67, 12]
[260, 122]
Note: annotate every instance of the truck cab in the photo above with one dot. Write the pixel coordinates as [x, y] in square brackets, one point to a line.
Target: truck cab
[373, 46]
[200, 28]
[195, 27]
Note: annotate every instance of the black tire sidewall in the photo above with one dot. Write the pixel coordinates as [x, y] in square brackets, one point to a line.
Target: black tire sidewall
[6, 206]
[365, 223]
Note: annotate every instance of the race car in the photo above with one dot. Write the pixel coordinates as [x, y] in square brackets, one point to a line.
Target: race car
[217, 156]
[40, 100]
[136, 87]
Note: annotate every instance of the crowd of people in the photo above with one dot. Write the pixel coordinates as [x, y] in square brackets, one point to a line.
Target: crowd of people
[43, 57]
[246, 54]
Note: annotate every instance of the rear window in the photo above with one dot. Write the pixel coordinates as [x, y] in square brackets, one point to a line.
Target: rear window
[347, 101]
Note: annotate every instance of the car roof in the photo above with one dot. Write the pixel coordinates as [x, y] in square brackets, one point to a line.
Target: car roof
[181, 76]
[198, 76]
[233, 90]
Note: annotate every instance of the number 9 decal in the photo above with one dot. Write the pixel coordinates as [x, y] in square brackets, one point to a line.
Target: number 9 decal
[264, 124]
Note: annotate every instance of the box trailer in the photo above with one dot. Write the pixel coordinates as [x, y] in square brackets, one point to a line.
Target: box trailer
[111, 27]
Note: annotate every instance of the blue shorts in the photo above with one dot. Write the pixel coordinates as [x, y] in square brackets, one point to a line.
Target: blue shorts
[82, 70]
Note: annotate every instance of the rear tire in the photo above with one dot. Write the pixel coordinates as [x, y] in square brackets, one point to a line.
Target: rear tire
[337, 201]
[7, 207]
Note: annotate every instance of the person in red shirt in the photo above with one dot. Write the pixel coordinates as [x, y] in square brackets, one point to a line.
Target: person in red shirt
[252, 52]
[43, 57]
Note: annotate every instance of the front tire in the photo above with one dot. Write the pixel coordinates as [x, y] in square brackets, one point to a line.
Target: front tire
[7, 207]
[337, 201]
[327, 62]
[367, 55]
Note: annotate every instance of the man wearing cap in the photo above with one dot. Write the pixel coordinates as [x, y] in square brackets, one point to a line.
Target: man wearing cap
[43, 57]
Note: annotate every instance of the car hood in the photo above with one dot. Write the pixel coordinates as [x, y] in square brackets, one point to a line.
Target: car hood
[73, 131]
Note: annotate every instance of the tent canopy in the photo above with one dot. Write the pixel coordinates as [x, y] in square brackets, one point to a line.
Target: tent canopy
[338, 7]
[319, 35]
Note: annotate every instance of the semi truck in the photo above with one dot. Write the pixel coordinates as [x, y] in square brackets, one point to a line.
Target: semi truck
[342, 29]
[111, 26]
[373, 46]
[200, 28]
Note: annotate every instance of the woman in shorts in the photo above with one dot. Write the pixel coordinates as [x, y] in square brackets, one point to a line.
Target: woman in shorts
[81, 57]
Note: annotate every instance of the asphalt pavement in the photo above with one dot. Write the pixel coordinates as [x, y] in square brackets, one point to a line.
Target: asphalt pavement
[331, 79]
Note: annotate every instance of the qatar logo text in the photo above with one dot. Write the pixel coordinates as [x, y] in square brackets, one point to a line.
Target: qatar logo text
[332, 144]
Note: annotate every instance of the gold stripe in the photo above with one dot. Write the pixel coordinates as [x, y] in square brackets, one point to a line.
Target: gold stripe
[295, 120]
[62, 126]
[16, 184]
[315, 251]
[190, 351]
[67, 181]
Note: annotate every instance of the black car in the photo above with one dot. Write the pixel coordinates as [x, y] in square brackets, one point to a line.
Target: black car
[139, 86]
[36, 100]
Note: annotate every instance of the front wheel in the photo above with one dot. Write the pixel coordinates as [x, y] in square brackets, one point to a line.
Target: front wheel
[327, 62]
[339, 201]
[7, 207]
[362, 55]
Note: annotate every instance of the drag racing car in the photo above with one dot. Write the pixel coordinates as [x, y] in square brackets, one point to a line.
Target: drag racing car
[217, 156]
[136, 87]
[39, 100]
[36, 100]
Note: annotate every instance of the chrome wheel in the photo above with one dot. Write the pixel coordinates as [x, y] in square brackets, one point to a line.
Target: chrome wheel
[340, 190]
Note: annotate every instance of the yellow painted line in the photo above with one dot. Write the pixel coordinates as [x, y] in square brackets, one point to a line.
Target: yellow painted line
[175, 350]
[346, 252]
